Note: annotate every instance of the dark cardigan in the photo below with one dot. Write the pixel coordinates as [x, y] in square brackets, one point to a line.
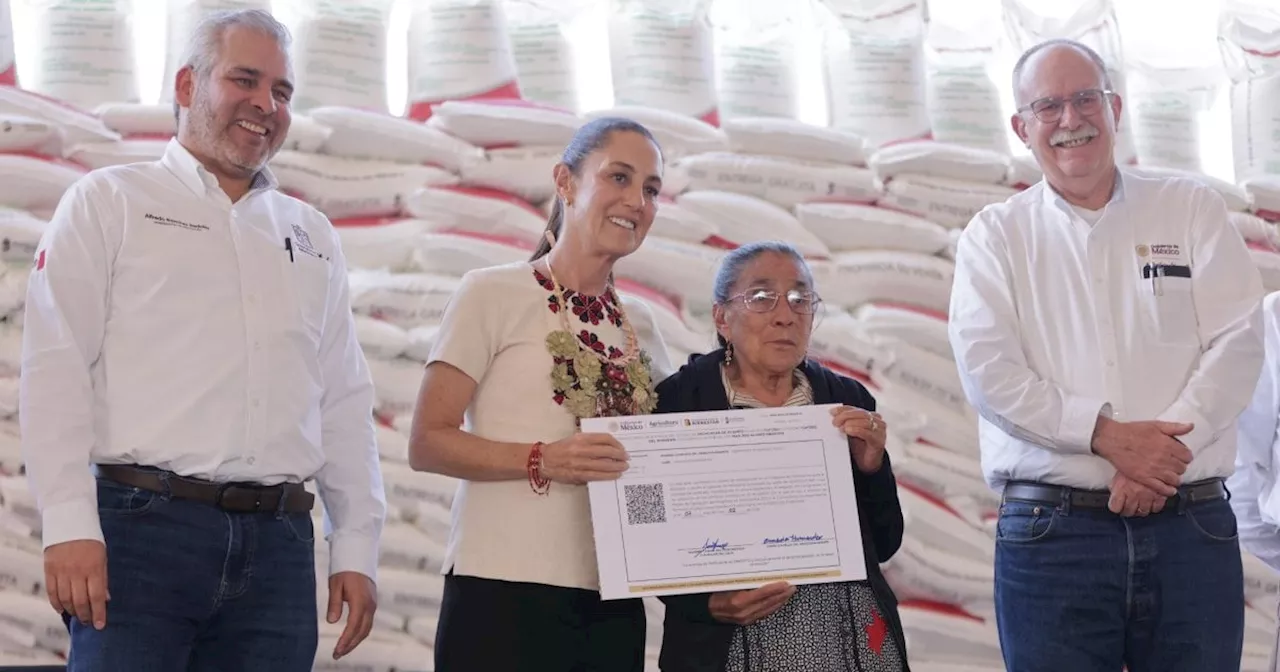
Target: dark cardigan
[692, 640]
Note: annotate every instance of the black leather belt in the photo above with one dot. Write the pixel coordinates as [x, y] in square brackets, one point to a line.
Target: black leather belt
[1052, 495]
[230, 497]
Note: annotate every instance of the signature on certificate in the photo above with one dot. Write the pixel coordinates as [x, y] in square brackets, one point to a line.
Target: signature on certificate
[793, 539]
[710, 546]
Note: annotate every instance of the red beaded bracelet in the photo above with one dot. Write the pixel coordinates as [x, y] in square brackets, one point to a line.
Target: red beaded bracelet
[537, 482]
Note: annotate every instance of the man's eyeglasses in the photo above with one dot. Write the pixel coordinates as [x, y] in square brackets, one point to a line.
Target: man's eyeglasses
[765, 300]
[1087, 103]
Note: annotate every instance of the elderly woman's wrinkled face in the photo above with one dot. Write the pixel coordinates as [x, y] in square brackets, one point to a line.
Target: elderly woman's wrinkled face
[772, 339]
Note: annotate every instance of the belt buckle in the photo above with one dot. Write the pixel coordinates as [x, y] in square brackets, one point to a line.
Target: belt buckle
[217, 495]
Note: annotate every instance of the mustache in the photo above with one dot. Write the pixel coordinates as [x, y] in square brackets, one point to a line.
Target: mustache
[1085, 132]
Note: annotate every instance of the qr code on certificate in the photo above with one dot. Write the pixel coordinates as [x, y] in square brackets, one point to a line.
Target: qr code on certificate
[645, 504]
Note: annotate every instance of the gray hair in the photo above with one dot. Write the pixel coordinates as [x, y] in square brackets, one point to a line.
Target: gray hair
[1058, 42]
[731, 266]
[206, 40]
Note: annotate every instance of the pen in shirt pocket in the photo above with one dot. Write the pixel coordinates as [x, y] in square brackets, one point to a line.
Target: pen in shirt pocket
[288, 247]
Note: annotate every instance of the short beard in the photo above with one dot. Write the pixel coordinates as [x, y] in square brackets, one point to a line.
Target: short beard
[203, 119]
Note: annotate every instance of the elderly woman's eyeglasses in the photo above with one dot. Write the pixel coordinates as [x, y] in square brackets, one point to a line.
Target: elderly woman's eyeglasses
[1049, 110]
[765, 300]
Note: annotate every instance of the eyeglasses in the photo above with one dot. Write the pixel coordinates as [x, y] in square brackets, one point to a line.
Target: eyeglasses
[1049, 110]
[765, 300]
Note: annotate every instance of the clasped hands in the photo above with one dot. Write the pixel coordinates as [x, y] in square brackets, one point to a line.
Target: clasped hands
[1149, 461]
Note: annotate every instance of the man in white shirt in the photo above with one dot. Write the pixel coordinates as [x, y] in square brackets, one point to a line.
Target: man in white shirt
[1254, 495]
[1106, 328]
[188, 331]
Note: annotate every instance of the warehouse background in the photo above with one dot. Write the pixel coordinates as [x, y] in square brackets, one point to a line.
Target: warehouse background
[865, 132]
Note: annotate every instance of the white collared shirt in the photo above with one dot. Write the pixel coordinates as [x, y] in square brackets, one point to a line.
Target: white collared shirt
[1052, 323]
[1254, 495]
[167, 326]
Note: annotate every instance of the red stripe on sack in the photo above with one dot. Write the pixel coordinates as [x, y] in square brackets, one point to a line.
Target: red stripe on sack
[9, 77]
[362, 222]
[1269, 215]
[1259, 246]
[422, 110]
[929, 497]
[489, 237]
[54, 101]
[667, 301]
[495, 194]
[937, 315]
[719, 243]
[149, 136]
[860, 376]
[55, 160]
[711, 118]
[940, 608]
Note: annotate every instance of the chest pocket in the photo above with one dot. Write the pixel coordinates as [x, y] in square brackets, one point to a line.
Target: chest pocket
[305, 281]
[1165, 288]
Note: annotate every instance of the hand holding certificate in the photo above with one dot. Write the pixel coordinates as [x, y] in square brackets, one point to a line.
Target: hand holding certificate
[726, 500]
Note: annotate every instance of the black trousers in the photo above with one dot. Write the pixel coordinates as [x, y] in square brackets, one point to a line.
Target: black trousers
[501, 626]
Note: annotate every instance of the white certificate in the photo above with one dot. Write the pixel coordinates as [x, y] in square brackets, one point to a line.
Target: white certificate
[726, 500]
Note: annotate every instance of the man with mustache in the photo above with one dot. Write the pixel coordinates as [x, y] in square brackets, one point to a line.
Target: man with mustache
[189, 362]
[1107, 329]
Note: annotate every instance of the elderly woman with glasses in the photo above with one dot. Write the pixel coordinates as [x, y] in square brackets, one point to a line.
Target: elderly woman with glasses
[765, 303]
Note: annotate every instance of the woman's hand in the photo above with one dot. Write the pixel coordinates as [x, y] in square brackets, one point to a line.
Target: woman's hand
[744, 607]
[584, 457]
[866, 433]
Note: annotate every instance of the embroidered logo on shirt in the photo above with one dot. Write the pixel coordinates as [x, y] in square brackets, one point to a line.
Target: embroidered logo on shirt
[1142, 250]
[1165, 250]
[169, 221]
[302, 242]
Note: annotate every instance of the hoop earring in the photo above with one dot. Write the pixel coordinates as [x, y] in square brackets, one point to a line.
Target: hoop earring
[728, 353]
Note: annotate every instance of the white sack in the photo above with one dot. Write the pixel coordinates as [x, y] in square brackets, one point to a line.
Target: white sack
[951, 203]
[523, 171]
[855, 278]
[1264, 193]
[949, 633]
[931, 375]
[150, 119]
[458, 49]
[396, 383]
[380, 339]
[964, 82]
[421, 339]
[490, 123]
[85, 49]
[77, 126]
[757, 44]
[29, 183]
[378, 243]
[479, 210]
[676, 222]
[103, 154]
[20, 133]
[409, 593]
[401, 299]
[404, 547]
[662, 55]
[793, 139]
[1166, 105]
[339, 52]
[21, 571]
[873, 52]
[1255, 229]
[743, 219]
[923, 329]
[410, 489]
[392, 445]
[352, 188]
[20, 233]
[1236, 196]
[456, 253]
[678, 135]
[680, 269]
[1249, 39]
[920, 571]
[34, 615]
[374, 655]
[939, 159]
[360, 134]
[845, 227]
[544, 50]
[783, 182]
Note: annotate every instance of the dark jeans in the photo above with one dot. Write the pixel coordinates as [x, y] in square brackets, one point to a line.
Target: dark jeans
[195, 588]
[527, 627]
[1090, 591]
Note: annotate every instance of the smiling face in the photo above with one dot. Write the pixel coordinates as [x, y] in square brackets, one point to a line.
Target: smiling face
[238, 115]
[610, 205]
[775, 341]
[1076, 151]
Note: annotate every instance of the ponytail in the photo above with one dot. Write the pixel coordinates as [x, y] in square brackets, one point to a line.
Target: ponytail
[554, 223]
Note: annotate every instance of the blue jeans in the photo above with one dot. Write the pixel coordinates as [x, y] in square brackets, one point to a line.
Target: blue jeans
[195, 588]
[1089, 591]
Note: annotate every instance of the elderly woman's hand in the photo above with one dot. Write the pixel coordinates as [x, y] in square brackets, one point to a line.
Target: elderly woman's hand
[744, 607]
[866, 433]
